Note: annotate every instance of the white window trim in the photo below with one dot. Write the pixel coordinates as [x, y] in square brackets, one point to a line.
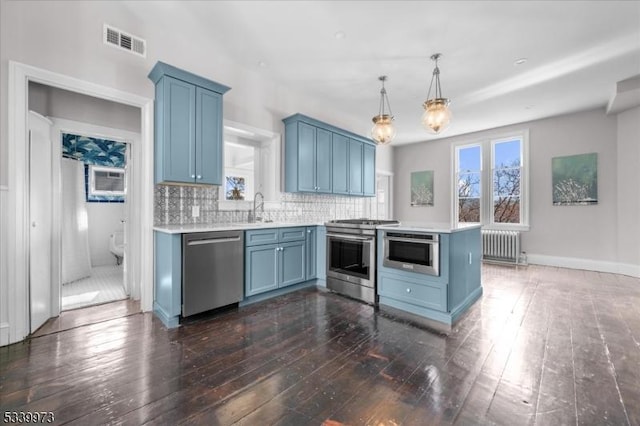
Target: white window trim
[487, 144]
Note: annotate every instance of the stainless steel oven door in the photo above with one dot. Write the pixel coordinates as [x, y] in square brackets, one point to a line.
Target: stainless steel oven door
[416, 253]
[351, 258]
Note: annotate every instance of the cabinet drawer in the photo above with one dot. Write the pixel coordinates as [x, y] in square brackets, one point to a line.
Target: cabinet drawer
[260, 236]
[426, 294]
[291, 234]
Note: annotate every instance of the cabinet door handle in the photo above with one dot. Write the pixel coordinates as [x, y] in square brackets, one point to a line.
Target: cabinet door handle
[193, 176]
[408, 290]
[308, 231]
[199, 176]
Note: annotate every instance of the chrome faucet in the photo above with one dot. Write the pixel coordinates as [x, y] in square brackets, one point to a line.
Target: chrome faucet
[253, 217]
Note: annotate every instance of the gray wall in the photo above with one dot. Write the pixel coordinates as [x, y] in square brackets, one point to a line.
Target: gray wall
[582, 232]
[53, 102]
[628, 167]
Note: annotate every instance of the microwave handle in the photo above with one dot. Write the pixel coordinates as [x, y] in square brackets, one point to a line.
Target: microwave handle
[411, 240]
[349, 237]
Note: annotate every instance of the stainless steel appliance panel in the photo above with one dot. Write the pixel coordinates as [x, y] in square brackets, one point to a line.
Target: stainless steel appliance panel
[212, 270]
[416, 252]
[356, 291]
[351, 258]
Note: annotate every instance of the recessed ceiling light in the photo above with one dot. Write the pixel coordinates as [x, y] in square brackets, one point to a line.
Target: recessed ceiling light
[520, 61]
[339, 35]
[263, 64]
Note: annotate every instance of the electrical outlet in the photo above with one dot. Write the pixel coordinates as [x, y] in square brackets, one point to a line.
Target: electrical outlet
[195, 211]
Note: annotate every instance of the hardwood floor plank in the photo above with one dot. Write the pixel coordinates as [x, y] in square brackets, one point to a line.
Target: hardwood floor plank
[544, 345]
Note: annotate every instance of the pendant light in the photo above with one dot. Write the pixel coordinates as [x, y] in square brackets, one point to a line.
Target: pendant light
[383, 130]
[437, 114]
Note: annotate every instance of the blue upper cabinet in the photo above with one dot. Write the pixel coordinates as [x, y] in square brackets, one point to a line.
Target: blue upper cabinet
[322, 158]
[340, 164]
[369, 170]
[355, 167]
[188, 127]
[308, 158]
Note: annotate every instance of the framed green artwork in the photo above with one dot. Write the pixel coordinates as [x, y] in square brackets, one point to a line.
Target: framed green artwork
[575, 180]
[422, 188]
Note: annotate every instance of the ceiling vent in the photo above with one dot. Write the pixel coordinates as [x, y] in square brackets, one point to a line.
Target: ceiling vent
[117, 38]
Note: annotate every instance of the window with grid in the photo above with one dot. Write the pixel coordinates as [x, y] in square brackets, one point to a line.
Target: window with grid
[491, 183]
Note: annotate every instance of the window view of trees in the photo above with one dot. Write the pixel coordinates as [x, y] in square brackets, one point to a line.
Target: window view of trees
[505, 182]
[469, 197]
[506, 190]
[469, 183]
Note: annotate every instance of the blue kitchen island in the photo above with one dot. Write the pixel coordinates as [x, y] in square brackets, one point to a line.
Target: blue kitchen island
[437, 298]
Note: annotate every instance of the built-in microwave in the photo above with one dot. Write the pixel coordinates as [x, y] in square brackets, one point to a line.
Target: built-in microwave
[412, 251]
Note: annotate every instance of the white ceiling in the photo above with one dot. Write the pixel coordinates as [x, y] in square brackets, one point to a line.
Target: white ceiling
[576, 50]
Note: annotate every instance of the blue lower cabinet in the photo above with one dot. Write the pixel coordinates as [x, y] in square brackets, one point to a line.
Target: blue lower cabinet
[167, 301]
[442, 298]
[272, 266]
[414, 291]
[292, 263]
[312, 249]
[261, 269]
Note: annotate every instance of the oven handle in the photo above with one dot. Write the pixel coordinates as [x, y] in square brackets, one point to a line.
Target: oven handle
[350, 237]
[411, 240]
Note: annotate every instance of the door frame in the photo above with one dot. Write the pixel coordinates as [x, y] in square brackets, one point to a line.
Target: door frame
[389, 175]
[58, 127]
[17, 214]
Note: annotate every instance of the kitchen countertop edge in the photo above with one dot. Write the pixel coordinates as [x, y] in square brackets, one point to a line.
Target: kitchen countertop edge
[213, 227]
[440, 228]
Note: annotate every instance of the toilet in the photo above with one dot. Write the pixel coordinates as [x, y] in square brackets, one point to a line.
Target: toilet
[116, 246]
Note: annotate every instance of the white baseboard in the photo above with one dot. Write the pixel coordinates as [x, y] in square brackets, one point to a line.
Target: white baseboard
[4, 334]
[586, 264]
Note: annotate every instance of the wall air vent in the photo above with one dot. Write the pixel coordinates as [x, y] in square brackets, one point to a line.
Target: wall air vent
[117, 38]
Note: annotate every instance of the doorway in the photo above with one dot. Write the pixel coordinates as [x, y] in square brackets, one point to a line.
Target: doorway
[18, 214]
[79, 172]
[94, 173]
[383, 200]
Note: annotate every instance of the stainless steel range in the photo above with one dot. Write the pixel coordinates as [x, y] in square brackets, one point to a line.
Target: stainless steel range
[351, 257]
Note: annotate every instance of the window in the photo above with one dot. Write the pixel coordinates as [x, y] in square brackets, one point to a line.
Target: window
[492, 182]
[469, 178]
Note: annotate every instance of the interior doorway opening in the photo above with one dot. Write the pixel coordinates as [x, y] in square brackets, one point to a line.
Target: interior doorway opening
[80, 182]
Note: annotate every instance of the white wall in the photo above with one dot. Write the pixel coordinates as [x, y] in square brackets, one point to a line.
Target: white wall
[628, 185]
[53, 102]
[104, 219]
[384, 158]
[4, 326]
[580, 232]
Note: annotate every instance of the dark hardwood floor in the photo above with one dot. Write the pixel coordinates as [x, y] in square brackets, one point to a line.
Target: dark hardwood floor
[543, 346]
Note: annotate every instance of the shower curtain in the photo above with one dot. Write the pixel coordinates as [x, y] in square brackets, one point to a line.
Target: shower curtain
[76, 263]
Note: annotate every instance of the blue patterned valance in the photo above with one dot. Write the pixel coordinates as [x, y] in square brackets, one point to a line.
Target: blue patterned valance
[97, 152]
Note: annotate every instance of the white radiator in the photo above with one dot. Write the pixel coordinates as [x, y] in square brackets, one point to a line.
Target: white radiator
[500, 246]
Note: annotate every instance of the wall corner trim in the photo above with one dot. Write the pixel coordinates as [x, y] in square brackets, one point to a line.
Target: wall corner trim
[586, 264]
[4, 334]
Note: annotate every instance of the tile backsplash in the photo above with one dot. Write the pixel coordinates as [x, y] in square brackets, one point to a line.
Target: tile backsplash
[173, 206]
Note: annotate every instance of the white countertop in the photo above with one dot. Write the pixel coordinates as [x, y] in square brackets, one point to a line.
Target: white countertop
[436, 227]
[241, 226]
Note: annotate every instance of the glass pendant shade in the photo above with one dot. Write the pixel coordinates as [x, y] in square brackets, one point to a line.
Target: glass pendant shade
[437, 115]
[383, 131]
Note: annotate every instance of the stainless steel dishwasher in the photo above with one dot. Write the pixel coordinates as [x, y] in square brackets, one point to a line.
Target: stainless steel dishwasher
[212, 270]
